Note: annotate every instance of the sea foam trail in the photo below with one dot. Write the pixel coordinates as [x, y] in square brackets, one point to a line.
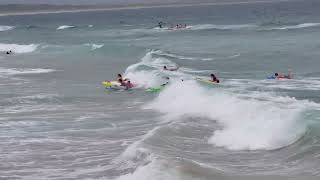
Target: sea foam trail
[247, 123]
[17, 48]
[94, 46]
[65, 27]
[17, 71]
[299, 26]
[6, 28]
[222, 27]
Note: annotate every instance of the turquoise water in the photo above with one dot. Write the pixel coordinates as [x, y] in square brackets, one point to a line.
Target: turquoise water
[58, 122]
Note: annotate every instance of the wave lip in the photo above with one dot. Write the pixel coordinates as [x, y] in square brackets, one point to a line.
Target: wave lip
[248, 123]
[17, 48]
[147, 72]
[65, 27]
[6, 28]
[299, 26]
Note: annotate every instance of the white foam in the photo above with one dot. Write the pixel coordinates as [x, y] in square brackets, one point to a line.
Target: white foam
[94, 46]
[145, 78]
[133, 150]
[65, 27]
[247, 123]
[146, 73]
[6, 28]
[17, 71]
[299, 26]
[17, 48]
[222, 27]
[174, 55]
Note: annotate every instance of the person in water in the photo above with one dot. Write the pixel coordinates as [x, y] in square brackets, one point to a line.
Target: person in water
[122, 83]
[119, 79]
[281, 76]
[129, 85]
[9, 52]
[214, 78]
[160, 24]
[171, 69]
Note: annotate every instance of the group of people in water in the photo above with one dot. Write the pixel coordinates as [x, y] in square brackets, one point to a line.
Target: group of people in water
[9, 52]
[213, 78]
[124, 82]
[128, 85]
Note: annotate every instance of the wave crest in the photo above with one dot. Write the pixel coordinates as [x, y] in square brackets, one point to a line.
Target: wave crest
[65, 27]
[18, 71]
[6, 28]
[17, 48]
[247, 123]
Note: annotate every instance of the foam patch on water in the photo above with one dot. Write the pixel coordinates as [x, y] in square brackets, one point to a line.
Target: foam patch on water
[154, 170]
[135, 151]
[6, 28]
[298, 26]
[222, 27]
[17, 48]
[271, 84]
[247, 123]
[94, 46]
[19, 71]
[65, 27]
[163, 170]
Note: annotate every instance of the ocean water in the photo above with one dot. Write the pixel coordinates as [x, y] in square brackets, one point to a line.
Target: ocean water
[58, 122]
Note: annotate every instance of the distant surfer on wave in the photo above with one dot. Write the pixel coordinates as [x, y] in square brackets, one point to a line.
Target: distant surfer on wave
[160, 24]
[214, 78]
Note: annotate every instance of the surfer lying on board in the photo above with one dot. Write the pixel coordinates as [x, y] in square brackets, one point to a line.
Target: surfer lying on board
[171, 69]
[214, 78]
[282, 76]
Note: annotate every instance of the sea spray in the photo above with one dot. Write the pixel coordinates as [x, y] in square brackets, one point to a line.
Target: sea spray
[247, 123]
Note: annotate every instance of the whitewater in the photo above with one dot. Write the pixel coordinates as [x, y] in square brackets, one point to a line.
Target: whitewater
[57, 121]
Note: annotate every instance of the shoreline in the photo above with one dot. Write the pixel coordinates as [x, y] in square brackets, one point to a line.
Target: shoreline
[133, 7]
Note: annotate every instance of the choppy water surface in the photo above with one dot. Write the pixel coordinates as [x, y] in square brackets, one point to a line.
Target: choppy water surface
[58, 122]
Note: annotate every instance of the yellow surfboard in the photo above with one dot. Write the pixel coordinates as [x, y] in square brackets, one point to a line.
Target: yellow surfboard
[111, 83]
